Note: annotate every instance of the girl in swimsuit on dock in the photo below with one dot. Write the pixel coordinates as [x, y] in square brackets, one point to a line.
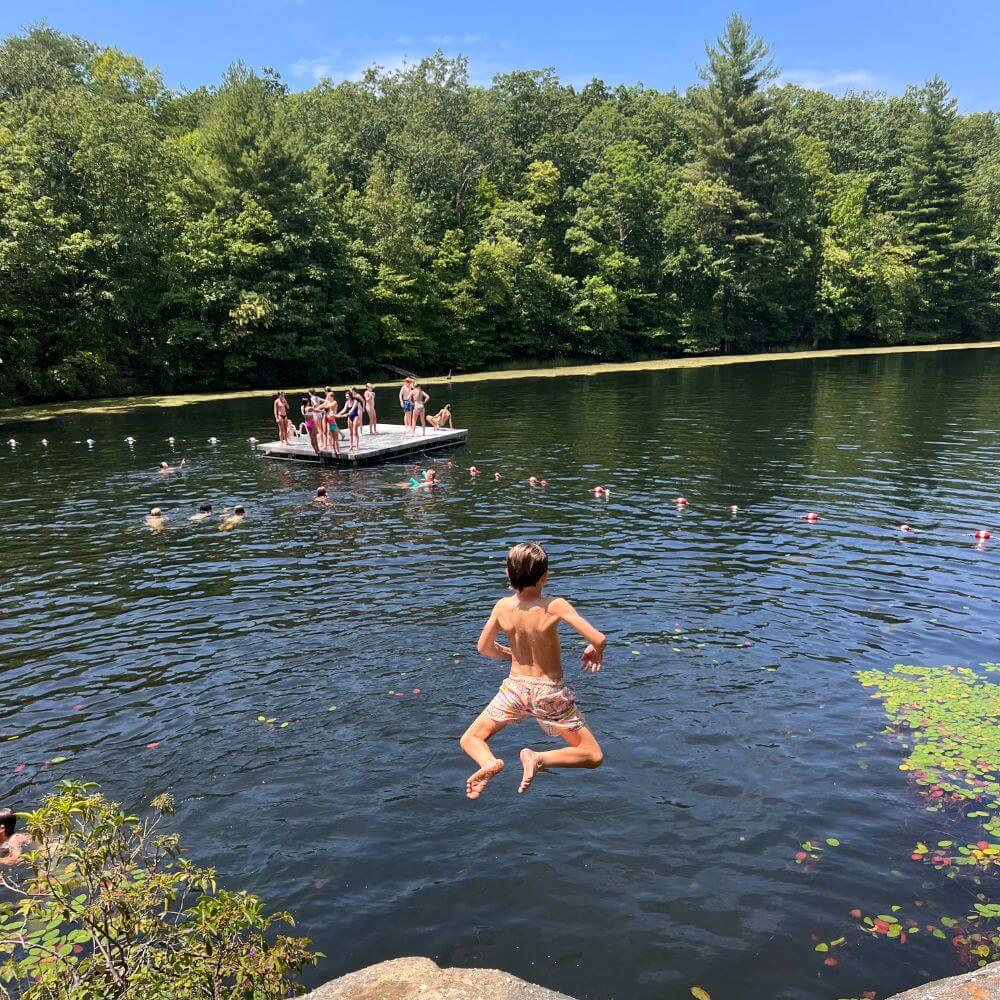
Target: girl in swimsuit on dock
[355, 407]
[442, 417]
[309, 419]
[418, 399]
[281, 417]
[370, 408]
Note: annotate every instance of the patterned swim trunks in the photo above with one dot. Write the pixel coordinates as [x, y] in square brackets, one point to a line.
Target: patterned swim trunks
[551, 703]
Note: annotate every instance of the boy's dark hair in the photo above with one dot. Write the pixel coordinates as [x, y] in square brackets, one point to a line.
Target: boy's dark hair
[321, 491]
[8, 820]
[205, 508]
[527, 563]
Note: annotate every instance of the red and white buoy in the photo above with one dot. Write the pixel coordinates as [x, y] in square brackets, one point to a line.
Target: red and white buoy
[982, 535]
[598, 491]
[473, 471]
[496, 476]
[733, 509]
[905, 528]
[812, 517]
[681, 502]
[533, 480]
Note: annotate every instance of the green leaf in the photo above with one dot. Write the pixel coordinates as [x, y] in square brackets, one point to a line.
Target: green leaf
[833, 842]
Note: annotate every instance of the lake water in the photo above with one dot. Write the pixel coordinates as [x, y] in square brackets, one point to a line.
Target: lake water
[732, 724]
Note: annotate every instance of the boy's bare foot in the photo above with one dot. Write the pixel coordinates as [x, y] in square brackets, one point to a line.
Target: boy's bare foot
[532, 765]
[476, 783]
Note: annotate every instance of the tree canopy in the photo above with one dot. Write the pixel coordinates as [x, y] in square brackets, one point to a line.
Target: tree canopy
[242, 235]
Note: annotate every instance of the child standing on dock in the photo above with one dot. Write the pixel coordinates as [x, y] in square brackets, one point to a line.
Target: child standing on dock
[405, 393]
[535, 687]
[418, 408]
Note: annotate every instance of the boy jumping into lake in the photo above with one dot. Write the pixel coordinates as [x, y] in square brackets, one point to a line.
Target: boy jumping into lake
[536, 686]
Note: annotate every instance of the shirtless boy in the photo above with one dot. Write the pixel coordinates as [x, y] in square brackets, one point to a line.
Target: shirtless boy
[536, 687]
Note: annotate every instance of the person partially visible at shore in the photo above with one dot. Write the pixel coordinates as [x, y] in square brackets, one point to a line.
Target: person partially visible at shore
[536, 687]
[13, 846]
[442, 417]
[230, 521]
[204, 513]
[281, 416]
[155, 520]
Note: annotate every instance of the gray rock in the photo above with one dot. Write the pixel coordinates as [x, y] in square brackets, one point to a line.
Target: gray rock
[983, 984]
[422, 979]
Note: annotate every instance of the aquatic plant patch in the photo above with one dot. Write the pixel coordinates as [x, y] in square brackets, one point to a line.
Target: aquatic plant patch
[948, 720]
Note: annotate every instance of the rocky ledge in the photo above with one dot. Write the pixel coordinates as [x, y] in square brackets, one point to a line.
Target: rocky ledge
[421, 979]
[983, 984]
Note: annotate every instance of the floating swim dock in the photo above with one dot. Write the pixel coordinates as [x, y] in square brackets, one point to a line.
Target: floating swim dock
[393, 441]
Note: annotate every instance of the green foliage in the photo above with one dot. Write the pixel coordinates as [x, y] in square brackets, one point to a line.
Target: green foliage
[243, 235]
[107, 908]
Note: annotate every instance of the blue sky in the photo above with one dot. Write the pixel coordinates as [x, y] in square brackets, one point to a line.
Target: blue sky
[834, 44]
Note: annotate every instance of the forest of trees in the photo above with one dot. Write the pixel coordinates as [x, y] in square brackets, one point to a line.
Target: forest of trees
[247, 235]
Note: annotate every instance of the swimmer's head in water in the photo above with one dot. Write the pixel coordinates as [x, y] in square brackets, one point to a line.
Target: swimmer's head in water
[205, 508]
[7, 823]
[527, 564]
[238, 509]
[321, 491]
[431, 475]
[164, 465]
[155, 512]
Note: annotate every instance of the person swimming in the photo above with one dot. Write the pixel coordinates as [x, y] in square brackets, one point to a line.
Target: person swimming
[427, 480]
[204, 513]
[155, 520]
[230, 521]
[167, 467]
[13, 846]
[321, 497]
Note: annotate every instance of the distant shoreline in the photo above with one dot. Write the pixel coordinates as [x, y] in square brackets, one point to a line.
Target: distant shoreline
[127, 404]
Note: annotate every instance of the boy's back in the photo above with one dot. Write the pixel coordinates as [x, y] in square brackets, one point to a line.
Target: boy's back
[531, 625]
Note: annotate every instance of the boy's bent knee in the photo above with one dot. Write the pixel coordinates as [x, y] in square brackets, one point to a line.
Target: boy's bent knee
[596, 758]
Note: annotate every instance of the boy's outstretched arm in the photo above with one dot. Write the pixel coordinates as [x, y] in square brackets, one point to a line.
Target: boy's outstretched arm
[488, 644]
[594, 653]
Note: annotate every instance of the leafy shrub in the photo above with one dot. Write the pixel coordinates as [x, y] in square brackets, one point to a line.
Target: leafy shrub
[107, 909]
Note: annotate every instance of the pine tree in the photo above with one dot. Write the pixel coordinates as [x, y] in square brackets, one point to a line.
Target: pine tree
[743, 175]
[946, 252]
